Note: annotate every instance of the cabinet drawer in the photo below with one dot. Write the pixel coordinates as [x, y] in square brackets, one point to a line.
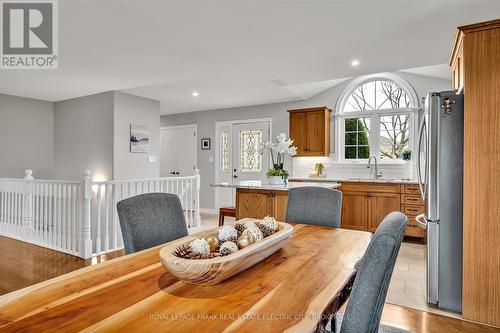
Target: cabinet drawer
[410, 189]
[371, 187]
[414, 231]
[411, 199]
[412, 221]
[413, 210]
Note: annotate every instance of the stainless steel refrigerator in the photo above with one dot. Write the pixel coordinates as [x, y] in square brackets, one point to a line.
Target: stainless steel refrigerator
[440, 173]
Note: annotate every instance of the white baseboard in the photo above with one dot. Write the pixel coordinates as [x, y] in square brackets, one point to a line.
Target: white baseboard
[209, 211]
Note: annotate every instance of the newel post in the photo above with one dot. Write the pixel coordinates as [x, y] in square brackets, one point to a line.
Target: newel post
[197, 203]
[85, 239]
[28, 203]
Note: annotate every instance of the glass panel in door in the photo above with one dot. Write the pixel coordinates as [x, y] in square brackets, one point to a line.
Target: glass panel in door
[250, 162]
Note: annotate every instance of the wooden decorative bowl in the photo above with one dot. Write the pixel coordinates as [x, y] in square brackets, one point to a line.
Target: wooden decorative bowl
[216, 270]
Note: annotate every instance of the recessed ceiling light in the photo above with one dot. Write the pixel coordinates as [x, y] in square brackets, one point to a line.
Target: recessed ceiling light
[355, 63]
[195, 94]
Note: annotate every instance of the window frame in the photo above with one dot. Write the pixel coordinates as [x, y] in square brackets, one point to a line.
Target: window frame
[374, 115]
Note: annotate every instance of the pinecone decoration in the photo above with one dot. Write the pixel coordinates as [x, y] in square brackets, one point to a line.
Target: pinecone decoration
[239, 227]
[266, 231]
[230, 239]
[228, 248]
[209, 255]
[183, 251]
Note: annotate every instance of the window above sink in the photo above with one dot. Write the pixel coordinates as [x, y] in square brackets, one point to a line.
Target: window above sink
[376, 115]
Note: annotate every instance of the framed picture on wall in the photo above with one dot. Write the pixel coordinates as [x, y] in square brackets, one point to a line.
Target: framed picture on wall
[205, 143]
[139, 139]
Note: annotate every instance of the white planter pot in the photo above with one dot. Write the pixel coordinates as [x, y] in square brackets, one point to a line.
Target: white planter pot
[276, 180]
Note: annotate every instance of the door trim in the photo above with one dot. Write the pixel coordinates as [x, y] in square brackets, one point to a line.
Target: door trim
[193, 126]
[218, 125]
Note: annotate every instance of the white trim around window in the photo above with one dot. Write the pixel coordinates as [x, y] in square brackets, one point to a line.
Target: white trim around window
[374, 115]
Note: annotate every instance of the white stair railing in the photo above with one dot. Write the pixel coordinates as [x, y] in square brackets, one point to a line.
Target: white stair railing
[105, 230]
[79, 217]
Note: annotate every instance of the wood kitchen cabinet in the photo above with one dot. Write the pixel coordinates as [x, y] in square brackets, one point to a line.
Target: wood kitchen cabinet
[379, 205]
[260, 203]
[476, 56]
[457, 66]
[364, 205]
[354, 210]
[310, 131]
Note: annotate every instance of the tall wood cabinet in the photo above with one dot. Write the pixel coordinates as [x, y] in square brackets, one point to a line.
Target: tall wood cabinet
[476, 56]
[310, 131]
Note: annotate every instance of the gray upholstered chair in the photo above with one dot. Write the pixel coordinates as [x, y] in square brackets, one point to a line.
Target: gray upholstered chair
[369, 290]
[314, 205]
[150, 219]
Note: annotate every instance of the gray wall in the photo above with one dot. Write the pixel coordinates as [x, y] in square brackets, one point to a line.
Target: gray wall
[83, 137]
[129, 109]
[206, 122]
[26, 137]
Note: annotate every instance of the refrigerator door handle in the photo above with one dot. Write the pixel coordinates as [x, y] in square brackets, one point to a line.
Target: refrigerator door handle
[422, 222]
[432, 262]
[421, 183]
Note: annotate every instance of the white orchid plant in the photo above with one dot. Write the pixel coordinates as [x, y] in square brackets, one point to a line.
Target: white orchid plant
[279, 148]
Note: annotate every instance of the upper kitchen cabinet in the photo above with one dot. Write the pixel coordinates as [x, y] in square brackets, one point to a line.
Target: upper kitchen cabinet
[310, 131]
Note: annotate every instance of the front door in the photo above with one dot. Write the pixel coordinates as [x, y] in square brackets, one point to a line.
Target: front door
[178, 151]
[240, 157]
[250, 161]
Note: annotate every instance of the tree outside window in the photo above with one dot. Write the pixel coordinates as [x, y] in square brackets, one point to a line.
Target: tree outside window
[376, 118]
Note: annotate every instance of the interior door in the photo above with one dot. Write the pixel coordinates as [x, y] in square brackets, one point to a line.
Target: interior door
[249, 160]
[178, 151]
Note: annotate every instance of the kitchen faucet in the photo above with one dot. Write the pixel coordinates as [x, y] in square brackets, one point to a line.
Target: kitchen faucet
[377, 174]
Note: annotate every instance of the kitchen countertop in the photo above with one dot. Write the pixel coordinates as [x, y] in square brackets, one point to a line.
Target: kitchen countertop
[259, 185]
[354, 180]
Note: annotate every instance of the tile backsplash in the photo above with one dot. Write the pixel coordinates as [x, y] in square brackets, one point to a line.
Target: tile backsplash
[303, 166]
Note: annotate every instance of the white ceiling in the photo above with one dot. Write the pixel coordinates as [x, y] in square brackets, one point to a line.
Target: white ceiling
[442, 71]
[241, 52]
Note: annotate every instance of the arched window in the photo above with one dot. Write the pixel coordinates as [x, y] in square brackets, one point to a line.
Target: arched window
[376, 117]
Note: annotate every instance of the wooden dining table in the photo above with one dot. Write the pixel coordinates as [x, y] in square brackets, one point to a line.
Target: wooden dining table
[296, 289]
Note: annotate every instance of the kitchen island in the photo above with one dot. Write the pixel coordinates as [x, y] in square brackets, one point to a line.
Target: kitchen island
[257, 199]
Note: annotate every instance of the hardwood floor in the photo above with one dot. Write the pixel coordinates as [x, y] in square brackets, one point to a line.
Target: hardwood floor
[425, 322]
[23, 264]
